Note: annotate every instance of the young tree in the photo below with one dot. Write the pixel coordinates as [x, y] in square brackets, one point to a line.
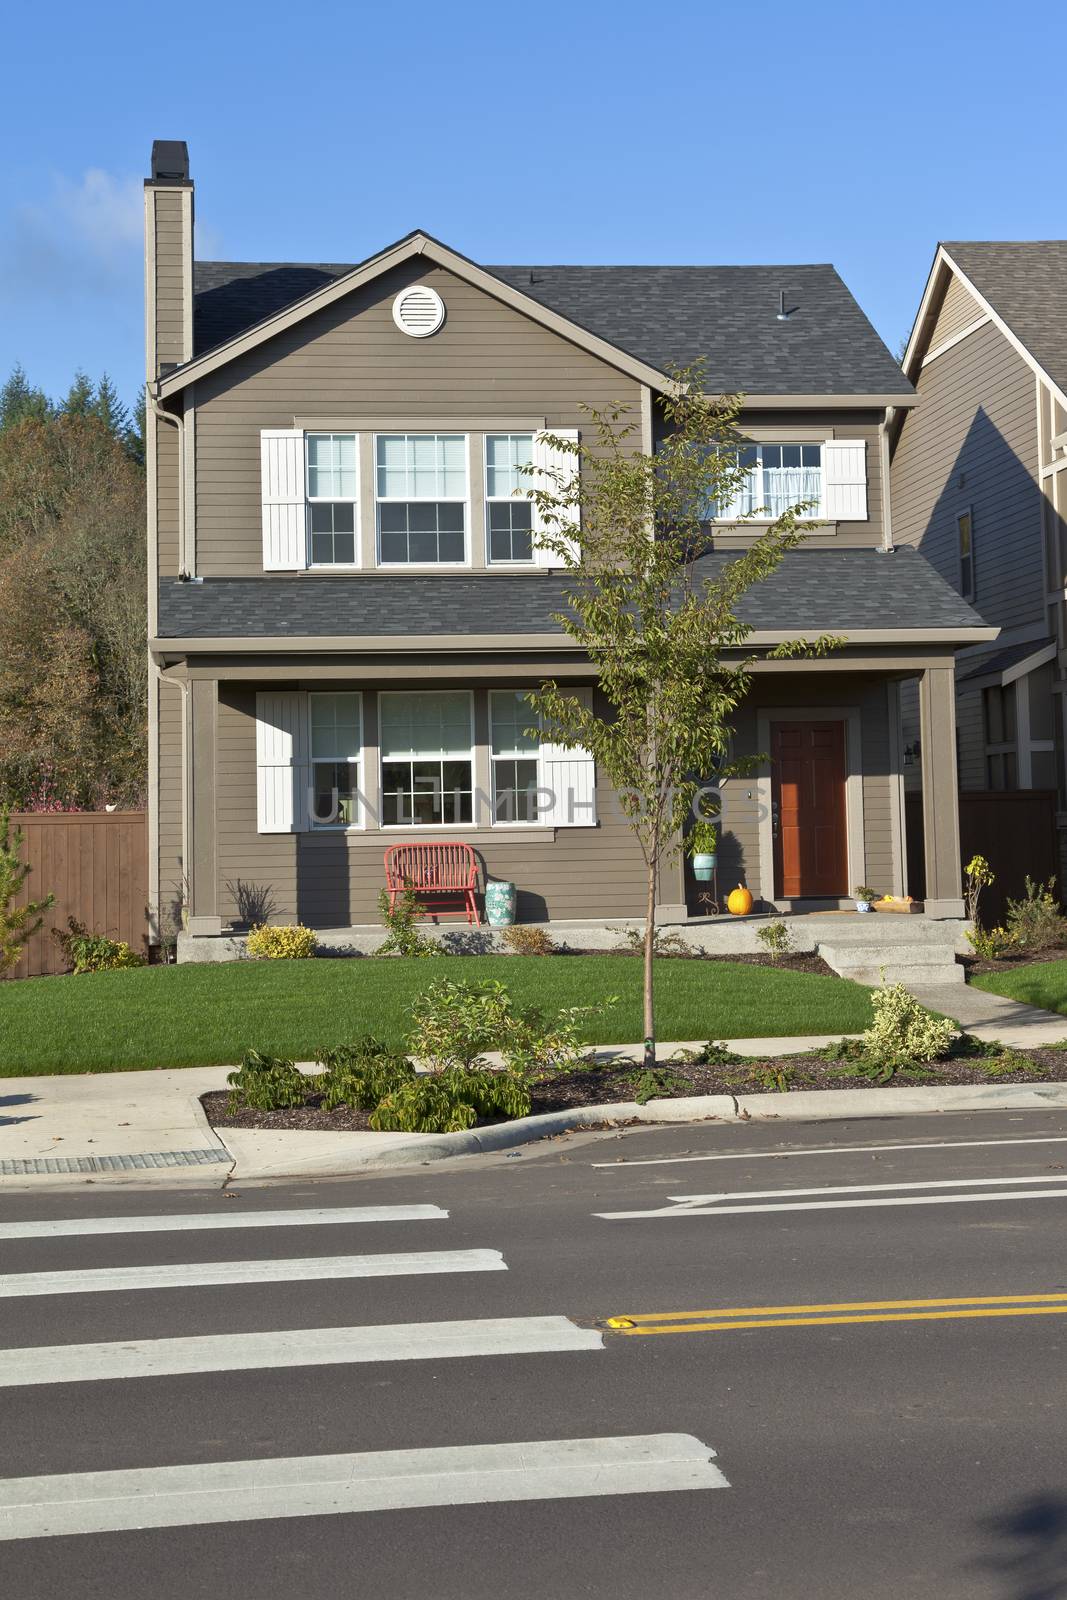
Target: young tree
[659, 623]
[17, 923]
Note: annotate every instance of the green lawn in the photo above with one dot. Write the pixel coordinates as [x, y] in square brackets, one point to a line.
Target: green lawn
[201, 1015]
[1039, 983]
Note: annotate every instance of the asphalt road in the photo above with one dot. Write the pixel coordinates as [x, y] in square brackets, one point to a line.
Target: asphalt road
[862, 1451]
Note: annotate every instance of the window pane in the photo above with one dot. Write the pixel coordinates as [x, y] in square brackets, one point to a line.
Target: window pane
[335, 729]
[322, 548]
[510, 536]
[432, 726]
[344, 549]
[421, 531]
[515, 791]
[331, 464]
[510, 715]
[504, 454]
[334, 796]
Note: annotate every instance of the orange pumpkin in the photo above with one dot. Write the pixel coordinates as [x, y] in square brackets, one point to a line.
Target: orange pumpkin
[740, 901]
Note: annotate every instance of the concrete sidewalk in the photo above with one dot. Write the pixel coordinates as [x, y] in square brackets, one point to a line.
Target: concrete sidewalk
[138, 1127]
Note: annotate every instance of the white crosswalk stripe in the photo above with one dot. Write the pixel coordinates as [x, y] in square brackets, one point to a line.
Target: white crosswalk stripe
[71, 1227]
[299, 1347]
[205, 1273]
[307, 1486]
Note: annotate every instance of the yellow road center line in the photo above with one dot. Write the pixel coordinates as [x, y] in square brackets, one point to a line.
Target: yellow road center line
[825, 1322]
[844, 1305]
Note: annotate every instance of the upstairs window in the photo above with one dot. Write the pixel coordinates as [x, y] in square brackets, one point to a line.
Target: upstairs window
[514, 757]
[778, 477]
[333, 498]
[427, 759]
[421, 495]
[965, 538]
[508, 515]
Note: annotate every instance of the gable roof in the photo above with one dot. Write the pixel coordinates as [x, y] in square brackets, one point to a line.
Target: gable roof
[646, 320]
[1020, 283]
[1025, 281]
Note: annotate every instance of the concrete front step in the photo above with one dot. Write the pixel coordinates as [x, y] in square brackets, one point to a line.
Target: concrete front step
[925, 963]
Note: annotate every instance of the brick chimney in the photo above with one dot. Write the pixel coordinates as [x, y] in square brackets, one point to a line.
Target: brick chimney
[168, 244]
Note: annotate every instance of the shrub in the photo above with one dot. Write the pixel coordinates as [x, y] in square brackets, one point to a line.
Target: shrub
[663, 944]
[526, 941]
[455, 1023]
[266, 1083]
[656, 1083]
[979, 875]
[1036, 922]
[402, 936]
[94, 952]
[17, 923]
[989, 944]
[449, 1101]
[292, 942]
[904, 1032]
[361, 1074]
[776, 939]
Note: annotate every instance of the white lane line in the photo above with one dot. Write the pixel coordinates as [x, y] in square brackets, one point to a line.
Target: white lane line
[202, 1274]
[297, 1347]
[384, 1480]
[839, 1205]
[68, 1227]
[830, 1150]
[859, 1188]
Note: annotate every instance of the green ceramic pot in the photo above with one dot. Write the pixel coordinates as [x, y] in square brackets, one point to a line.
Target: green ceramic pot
[500, 904]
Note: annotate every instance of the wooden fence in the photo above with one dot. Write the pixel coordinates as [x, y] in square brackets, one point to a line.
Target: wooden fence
[96, 865]
[1014, 829]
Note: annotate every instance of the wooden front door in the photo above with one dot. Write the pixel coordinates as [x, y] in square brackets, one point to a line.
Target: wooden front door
[808, 772]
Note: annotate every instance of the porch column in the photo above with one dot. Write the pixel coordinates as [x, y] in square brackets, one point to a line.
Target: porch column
[201, 851]
[941, 820]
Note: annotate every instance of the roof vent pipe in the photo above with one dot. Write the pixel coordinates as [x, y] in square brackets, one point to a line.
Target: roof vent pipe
[783, 314]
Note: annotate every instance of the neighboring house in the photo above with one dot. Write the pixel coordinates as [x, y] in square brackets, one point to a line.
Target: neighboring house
[347, 600]
[979, 479]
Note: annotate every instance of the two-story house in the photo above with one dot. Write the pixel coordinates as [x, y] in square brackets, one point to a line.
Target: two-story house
[979, 481]
[348, 598]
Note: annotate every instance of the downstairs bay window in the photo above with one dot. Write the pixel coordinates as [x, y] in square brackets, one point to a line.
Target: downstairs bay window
[427, 758]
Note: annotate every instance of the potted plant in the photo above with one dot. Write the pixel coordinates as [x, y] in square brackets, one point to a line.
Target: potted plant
[701, 847]
[864, 897]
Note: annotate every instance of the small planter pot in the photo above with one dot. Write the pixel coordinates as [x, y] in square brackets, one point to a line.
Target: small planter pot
[863, 905]
[500, 903]
[704, 866]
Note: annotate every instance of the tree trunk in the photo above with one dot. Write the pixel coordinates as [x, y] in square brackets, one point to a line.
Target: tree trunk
[650, 936]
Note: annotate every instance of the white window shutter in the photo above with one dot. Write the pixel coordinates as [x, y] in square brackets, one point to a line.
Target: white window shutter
[282, 771]
[844, 478]
[284, 500]
[548, 459]
[566, 780]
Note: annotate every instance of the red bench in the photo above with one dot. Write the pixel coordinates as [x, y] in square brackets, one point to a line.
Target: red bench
[438, 869]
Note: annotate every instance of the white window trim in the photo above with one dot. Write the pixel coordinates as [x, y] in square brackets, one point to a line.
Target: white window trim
[738, 520]
[502, 499]
[333, 499]
[513, 822]
[965, 592]
[424, 499]
[359, 762]
[408, 828]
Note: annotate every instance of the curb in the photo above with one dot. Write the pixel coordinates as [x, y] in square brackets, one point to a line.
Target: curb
[800, 1105]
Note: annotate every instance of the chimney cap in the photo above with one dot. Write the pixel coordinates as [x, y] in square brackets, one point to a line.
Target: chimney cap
[170, 161]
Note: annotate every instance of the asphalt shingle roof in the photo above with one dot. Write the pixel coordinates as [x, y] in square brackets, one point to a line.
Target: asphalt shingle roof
[818, 591]
[1025, 281]
[667, 317]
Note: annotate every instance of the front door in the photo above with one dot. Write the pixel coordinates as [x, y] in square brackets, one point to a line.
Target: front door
[808, 772]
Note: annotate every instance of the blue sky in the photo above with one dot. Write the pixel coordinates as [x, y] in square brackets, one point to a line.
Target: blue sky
[591, 132]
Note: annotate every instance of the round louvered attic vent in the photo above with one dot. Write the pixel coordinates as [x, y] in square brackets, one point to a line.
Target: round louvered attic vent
[418, 311]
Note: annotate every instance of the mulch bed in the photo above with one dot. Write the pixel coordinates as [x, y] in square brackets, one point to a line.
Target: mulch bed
[610, 1083]
[1020, 958]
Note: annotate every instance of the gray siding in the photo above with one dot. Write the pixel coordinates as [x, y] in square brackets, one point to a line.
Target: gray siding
[350, 361]
[169, 246]
[972, 442]
[169, 800]
[958, 308]
[970, 726]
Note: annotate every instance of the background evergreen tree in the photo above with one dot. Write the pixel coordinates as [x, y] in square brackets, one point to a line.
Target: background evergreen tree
[19, 400]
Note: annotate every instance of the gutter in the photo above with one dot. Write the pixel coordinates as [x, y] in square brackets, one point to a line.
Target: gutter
[185, 569]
